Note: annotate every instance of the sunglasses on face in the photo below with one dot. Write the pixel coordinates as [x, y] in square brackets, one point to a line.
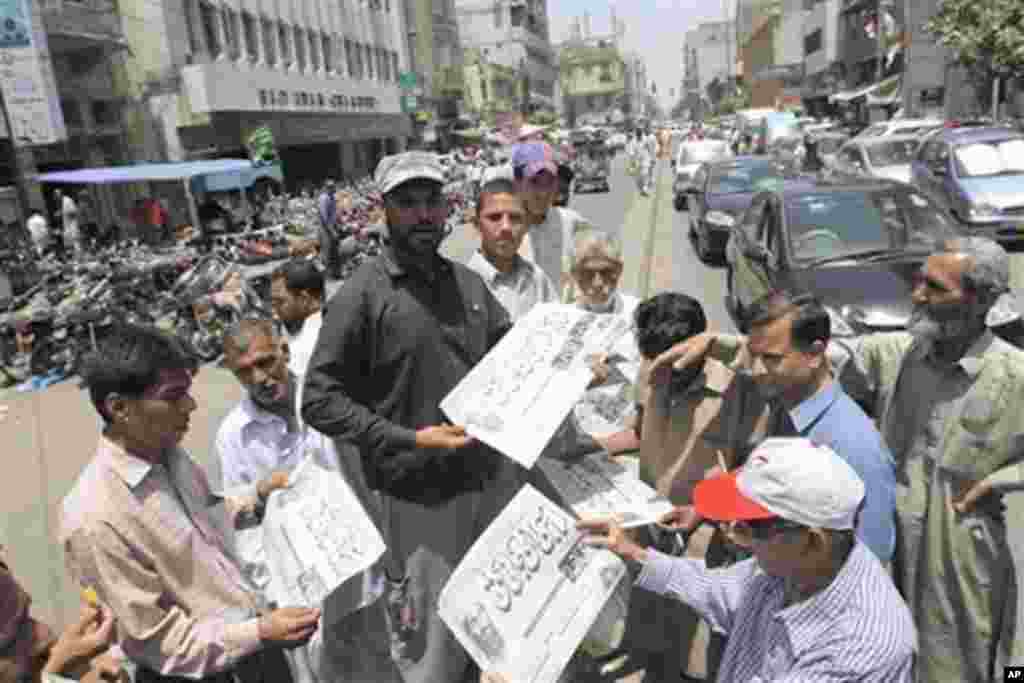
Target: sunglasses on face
[761, 530]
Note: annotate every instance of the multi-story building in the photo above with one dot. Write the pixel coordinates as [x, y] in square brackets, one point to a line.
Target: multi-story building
[637, 86]
[758, 24]
[513, 34]
[824, 71]
[593, 82]
[435, 53]
[323, 76]
[489, 88]
[709, 56]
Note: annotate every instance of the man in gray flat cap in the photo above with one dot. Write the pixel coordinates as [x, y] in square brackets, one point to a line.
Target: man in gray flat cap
[401, 333]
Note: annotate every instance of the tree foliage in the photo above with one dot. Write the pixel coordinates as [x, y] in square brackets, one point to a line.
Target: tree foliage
[985, 36]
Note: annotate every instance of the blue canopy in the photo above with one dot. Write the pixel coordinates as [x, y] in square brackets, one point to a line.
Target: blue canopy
[215, 175]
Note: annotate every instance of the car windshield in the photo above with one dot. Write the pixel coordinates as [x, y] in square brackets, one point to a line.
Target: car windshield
[848, 223]
[891, 152]
[874, 131]
[999, 157]
[739, 178]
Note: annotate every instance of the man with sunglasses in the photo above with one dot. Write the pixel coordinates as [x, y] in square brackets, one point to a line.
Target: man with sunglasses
[402, 333]
[813, 603]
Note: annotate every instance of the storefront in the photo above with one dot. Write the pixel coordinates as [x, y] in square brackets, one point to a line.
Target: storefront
[322, 126]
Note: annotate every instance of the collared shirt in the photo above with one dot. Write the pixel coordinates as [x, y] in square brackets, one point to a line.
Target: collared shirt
[856, 629]
[832, 418]
[684, 431]
[328, 208]
[300, 346]
[394, 343]
[518, 291]
[149, 540]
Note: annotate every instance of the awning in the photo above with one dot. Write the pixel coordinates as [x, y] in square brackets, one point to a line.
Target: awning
[218, 174]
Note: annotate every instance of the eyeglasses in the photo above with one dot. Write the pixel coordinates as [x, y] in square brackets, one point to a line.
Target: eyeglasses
[745, 532]
[590, 274]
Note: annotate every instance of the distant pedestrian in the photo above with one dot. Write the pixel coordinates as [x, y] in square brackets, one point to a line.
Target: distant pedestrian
[39, 230]
[328, 212]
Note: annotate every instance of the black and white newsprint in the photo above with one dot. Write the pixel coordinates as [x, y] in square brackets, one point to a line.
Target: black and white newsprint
[528, 591]
[516, 398]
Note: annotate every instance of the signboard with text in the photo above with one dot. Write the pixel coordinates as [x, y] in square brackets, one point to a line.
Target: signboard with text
[34, 111]
[222, 86]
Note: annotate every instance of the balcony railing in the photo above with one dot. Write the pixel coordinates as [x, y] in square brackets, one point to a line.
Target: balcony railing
[95, 20]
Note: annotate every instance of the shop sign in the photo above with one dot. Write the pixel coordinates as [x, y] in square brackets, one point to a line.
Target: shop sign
[409, 104]
[301, 99]
[32, 103]
[407, 80]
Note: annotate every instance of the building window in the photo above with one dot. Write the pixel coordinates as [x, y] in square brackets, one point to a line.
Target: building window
[328, 52]
[269, 54]
[499, 14]
[349, 59]
[194, 46]
[300, 48]
[606, 73]
[518, 14]
[231, 33]
[251, 36]
[387, 6]
[357, 54]
[812, 42]
[314, 50]
[284, 40]
[394, 65]
[208, 17]
[385, 65]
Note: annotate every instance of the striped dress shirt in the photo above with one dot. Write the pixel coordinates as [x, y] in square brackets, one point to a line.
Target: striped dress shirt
[856, 629]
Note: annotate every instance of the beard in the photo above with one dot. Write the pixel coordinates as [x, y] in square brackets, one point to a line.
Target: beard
[925, 326]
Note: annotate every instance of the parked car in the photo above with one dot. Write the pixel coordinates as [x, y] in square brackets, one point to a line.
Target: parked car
[978, 175]
[720, 193]
[856, 244]
[828, 146]
[884, 157]
[616, 142]
[901, 127]
[691, 155]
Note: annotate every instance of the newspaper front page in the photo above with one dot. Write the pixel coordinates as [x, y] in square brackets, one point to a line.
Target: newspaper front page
[597, 485]
[528, 591]
[316, 536]
[515, 399]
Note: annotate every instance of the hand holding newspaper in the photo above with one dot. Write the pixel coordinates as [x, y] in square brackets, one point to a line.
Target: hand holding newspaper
[316, 536]
[515, 399]
[528, 591]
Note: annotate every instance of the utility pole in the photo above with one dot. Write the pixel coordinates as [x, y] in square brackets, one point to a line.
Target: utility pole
[19, 176]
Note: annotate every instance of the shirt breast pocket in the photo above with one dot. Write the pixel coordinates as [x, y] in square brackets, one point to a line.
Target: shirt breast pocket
[973, 448]
[170, 526]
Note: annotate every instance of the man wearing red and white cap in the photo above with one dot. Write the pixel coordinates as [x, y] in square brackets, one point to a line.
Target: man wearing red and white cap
[813, 604]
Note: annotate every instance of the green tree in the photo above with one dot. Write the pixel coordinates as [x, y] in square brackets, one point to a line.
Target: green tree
[986, 37]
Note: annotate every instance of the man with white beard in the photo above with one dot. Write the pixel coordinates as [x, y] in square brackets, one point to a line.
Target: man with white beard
[948, 396]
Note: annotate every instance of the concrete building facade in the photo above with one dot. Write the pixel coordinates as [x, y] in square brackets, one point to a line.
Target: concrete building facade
[435, 56]
[592, 82]
[709, 47]
[489, 88]
[513, 34]
[200, 75]
[820, 42]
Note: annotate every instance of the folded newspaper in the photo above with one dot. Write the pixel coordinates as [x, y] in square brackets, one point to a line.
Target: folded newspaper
[599, 486]
[516, 398]
[317, 535]
[528, 591]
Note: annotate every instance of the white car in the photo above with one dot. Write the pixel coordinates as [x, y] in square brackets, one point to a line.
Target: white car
[901, 127]
[616, 141]
[691, 155]
[883, 157]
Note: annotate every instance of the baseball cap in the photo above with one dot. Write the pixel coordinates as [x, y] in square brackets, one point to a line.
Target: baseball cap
[532, 158]
[398, 169]
[793, 479]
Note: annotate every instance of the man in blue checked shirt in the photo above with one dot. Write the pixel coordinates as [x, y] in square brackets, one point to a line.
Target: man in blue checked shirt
[813, 605]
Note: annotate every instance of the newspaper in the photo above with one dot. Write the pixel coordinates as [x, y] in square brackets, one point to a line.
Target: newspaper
[528, 591]
[516, 398]
[316, 536]
[599, 486]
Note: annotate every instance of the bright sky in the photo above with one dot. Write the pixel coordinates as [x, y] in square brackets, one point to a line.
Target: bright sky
[654, 28]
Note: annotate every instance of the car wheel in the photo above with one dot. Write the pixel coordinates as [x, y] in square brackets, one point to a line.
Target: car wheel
[703, 248]
[679, 202]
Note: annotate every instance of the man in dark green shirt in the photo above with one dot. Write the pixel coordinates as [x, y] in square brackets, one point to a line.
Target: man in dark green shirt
[396, 339]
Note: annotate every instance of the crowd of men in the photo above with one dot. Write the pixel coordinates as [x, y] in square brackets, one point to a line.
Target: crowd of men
[838, 507]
